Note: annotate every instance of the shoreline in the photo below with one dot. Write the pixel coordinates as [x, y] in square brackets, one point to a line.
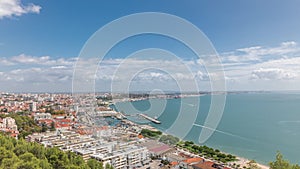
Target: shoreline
[242, 161]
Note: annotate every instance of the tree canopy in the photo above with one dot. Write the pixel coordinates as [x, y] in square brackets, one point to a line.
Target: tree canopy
[20, 154]
[281, 163]
[207, 152]
[150, 133]
[169, 139]
[26, 125]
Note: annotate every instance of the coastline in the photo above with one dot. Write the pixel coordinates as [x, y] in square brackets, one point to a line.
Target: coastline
[242, 161]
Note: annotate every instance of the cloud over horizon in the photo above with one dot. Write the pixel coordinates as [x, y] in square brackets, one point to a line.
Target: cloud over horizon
[251, 68]
[272, 74]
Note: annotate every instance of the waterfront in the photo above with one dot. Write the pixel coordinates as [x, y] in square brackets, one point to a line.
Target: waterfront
[253, 126]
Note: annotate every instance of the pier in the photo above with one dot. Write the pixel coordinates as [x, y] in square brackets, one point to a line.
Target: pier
[150, 118]
[112, 113]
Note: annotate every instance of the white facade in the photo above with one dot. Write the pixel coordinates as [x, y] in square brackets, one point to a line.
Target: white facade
[131, 157]
[39, 116]
[122, 155]
[9, 123]
[32, 106]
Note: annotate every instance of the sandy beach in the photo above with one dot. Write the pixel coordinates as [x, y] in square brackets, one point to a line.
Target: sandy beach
[244, 162]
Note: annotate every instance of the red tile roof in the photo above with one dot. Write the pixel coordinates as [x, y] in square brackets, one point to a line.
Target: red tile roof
[184, 155]
[160, 149]
[193, 160]
[205, 165]
[173, 163]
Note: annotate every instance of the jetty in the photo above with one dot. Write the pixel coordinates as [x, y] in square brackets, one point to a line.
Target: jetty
[111, 113]
[150, 119]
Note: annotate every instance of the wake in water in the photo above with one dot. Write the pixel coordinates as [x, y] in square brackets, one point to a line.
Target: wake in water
[223, 132]
[192, 105]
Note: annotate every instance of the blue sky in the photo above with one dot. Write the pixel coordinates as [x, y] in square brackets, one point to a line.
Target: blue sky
[257, 40]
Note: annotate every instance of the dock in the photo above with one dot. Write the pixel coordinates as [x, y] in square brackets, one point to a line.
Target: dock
[111, 113]
[150, 119]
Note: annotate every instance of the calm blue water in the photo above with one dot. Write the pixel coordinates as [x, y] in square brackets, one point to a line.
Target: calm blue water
[254, 126]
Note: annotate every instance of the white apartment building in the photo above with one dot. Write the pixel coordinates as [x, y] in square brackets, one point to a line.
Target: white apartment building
[32, 106]
[39, 116]
[119, 155]
[9, 123]
[128, 158]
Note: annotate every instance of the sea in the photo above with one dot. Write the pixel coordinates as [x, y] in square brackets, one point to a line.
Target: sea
[253, 125]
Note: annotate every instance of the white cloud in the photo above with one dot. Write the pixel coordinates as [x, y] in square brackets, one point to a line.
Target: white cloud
[260, 53]
[36, 75]
[151, 76]
[9, 8]
[58, 67]
[273, 74]
[5, 62]
[148, 73]
[201, 75]
[255, 68]
[24, 59]
[30, 59]
[32, 73]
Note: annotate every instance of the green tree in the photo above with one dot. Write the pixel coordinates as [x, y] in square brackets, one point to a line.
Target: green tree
[165, 162]
[26, 125]
[72, 166]
[169, 139]
[20, 149]
[253, 165]
[55, 162]
[28, 165]
[281, 163]
[94, 164]
[52, 128]
[150, 133]
[37, 150]
[44, 127]
[107, 166]
[44, 164]
[5, 154]
[27, 157]
[10, 163]
[296, 166]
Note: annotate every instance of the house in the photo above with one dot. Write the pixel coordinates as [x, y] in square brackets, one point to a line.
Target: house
[187, 163]
[208, 165]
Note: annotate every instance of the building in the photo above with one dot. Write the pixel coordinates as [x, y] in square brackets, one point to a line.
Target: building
[42, 116]
[9, 123]
[189, 162]
[157, 148]
[208, 165]
[119, 155]
[32, 106]
[131, 157]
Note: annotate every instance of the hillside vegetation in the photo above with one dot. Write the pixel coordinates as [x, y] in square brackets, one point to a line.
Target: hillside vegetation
[20, 154]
